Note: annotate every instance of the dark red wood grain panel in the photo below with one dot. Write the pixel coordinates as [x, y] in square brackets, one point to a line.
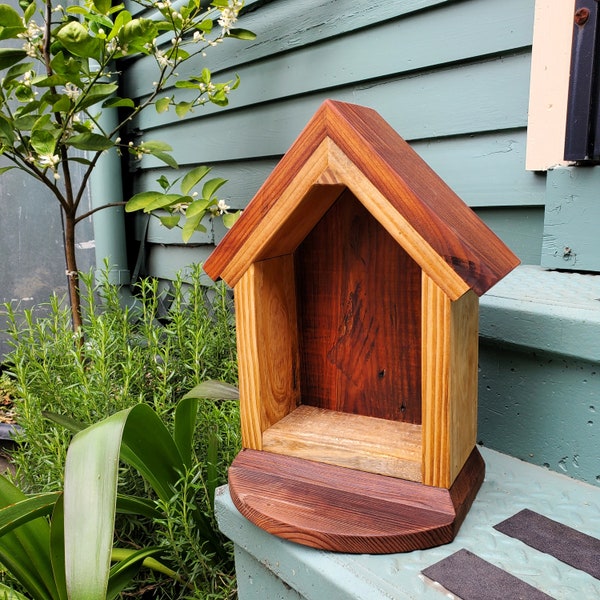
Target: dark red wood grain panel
[344, 510]
[359, 304]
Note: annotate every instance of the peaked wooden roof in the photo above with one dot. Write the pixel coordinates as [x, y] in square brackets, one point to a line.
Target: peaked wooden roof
[349, 146]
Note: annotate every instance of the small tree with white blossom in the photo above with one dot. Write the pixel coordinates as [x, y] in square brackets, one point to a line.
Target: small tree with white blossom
[59, 71]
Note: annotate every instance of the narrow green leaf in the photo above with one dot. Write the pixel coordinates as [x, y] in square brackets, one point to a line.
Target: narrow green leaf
[125, 555]
[182, 109]
[192, 224]
[214, 390]
[193, 177]
[10, 57]
[170, 221]
[185, 423]
[190, 84]
[4, 169]
[141, 201]
[90, 141]
[123, 572]
[159, 462]
[241, 34]
[57, 547]
[162, 105]
[134, 505]
[24, 551]
[68, 423]
[10, 22]
[229, 219]
[211, 186]
[197, 207]
[26, 510]
[91, 475]
[166, 158]
[212, 462]
[156, 145]
[163, 201]
[118, 102]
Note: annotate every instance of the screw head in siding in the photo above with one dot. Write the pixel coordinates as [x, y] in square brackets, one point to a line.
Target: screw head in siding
[581, 16]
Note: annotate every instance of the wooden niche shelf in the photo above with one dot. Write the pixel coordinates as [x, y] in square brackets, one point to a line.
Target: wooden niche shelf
[356, 274]
[391, 448]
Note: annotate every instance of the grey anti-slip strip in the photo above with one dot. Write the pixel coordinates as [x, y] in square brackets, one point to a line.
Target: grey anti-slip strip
[568, 545]
[472, 578]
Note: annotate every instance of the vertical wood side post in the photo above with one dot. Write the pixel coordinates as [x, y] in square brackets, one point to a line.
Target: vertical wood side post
[267, 341]
[435, 368]
[449, 372]
[464, 353]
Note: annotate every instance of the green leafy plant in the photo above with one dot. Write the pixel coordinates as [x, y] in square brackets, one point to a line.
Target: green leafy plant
[177, 337]
[71, 556]
[60, 72]
[190, 204]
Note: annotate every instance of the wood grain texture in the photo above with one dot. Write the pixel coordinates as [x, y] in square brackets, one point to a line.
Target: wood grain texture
[267, 346]
[344, 510]
[436, 378]
[464, 354]
[364, 443]
[450, 337]
[358, 296]
[412, 190]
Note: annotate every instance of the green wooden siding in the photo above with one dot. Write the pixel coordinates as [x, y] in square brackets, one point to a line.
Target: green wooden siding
[451, 77]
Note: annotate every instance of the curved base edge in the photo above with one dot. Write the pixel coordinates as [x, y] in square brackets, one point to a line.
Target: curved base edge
[344, 510]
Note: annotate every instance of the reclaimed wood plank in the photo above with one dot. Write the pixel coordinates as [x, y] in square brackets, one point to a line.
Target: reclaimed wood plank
[369, 444]
[267, 346]
[344, 510]
[359, 306]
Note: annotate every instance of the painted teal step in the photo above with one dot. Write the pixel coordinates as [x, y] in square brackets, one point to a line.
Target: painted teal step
[270, 568]
[539, 380]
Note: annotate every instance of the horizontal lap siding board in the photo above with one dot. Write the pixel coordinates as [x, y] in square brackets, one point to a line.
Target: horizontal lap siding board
[480, 96]
[451, 77]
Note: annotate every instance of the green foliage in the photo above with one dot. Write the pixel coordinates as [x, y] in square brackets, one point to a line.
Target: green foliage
[149, 356]
[56, 85]
[194, 206]
[70, 557]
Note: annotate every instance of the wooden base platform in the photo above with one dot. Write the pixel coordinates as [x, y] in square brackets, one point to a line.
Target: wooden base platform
[345, 510]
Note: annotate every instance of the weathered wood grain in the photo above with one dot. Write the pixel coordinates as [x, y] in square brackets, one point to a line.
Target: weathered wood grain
[344, 510]
[449, 373]
[359, 308]
[412, 190]
[267, 346]
[380, 446]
